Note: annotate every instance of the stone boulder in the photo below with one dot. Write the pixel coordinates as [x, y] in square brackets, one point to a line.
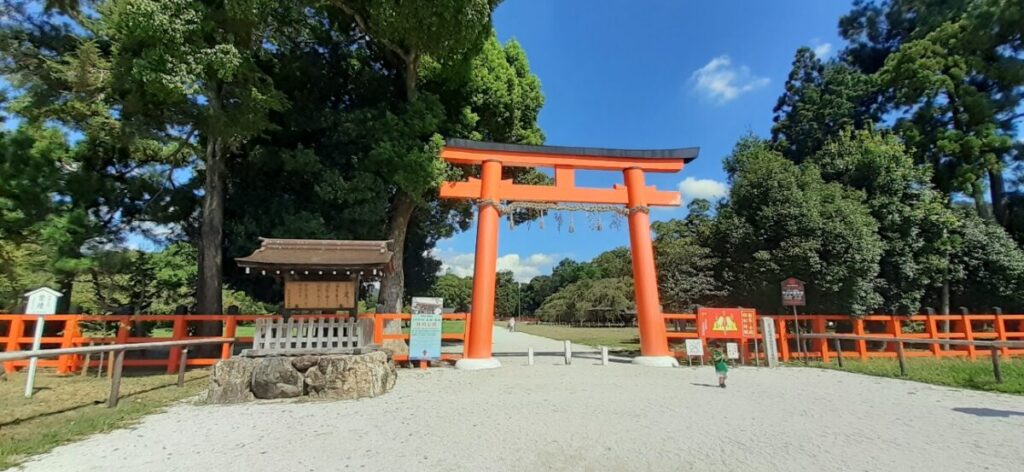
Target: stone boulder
[230, 381]
[303, 363]
[351, 377]
[275, 377]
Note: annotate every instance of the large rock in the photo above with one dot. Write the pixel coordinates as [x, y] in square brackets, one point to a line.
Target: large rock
[351, 377]
[230, 381]
[275, 377]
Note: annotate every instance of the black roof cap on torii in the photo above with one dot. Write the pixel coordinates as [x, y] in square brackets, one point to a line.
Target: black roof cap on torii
[686, 154]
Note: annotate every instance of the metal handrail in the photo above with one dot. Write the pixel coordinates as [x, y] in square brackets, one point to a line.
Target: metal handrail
[120, 349]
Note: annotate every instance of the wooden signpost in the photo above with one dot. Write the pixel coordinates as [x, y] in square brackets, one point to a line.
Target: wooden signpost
[793, 295]
[41, 301]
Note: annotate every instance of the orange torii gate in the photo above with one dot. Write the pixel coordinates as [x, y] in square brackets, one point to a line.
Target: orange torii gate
[490, 189]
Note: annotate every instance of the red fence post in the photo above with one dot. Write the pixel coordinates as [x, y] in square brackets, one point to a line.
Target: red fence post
[64, 363]
[178, 332]
[780, 324]
[378, 329]
[972, 353]
[818, 325]
[15, 330]
[862, 346]
[933, 333]
[230, 327]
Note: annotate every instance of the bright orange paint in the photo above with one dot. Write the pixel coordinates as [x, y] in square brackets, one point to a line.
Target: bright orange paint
[485, 264]
[648, 307]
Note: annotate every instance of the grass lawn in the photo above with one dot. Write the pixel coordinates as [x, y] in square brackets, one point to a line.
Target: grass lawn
[975, 375]
[447, 327]
[242, 331]
[621, 340]
[64, 409]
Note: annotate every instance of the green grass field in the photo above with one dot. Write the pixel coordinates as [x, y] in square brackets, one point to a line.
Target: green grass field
[620, 340]
[447, 327]
[67, 408]
[975, 375]
[242, 331]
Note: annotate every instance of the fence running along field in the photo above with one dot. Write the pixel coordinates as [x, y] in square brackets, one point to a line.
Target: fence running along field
[968, 327]
[68, 331]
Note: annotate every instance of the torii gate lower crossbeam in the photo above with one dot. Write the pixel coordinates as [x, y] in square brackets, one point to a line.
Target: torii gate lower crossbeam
[489, 190]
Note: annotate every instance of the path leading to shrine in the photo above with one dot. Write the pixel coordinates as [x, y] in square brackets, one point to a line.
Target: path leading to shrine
[582, 417]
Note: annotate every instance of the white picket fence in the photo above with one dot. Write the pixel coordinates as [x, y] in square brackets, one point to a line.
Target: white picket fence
[307, 334]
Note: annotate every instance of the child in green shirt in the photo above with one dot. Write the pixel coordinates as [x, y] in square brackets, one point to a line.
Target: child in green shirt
[721, 366]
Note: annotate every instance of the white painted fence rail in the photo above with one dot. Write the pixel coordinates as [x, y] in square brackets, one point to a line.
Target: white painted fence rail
[304, 334]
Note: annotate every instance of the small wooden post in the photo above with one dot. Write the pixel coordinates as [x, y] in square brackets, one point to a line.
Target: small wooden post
[115, 380]
[996, 369]
[85, 365]
[423, 364]
[529, 356]
[604, 355]
[757, 353]
[902, 359]
[839, 352]
[100, 364]
[568, 352]
[182, 362]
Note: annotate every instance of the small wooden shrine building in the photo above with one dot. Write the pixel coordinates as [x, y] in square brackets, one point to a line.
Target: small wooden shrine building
[319, 276]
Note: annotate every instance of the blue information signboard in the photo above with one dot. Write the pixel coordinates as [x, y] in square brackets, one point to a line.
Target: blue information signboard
[425, 329]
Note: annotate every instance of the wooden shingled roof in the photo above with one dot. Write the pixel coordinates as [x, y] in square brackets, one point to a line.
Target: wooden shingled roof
[318, 254]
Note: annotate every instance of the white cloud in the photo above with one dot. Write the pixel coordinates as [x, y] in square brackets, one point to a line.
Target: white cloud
[722, 82]
[523, 268]
[707, 189]
[823, 50]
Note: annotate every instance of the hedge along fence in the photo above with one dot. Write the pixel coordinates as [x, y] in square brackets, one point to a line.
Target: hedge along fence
[16, 334]
[965, 326]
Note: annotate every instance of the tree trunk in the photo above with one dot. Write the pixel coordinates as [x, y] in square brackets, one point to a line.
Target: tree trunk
[997, 189]
[67, 285]
[208, 300]
[978, 193]
[392, 285]
[945, 309]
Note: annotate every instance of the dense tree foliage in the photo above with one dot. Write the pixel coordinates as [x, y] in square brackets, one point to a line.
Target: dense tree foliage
[889, 180]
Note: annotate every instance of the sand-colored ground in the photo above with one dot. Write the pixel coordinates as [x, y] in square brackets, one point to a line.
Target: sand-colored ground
[582, 417]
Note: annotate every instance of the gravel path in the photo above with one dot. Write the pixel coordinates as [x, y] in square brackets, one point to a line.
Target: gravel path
[582, 417]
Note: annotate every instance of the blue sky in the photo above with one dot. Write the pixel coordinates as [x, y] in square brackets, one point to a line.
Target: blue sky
[669, 74]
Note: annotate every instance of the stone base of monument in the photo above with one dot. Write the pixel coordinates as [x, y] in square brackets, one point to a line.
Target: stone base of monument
[329, 376]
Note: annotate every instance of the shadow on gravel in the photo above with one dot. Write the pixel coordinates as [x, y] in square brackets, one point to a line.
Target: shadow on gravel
[989, 412]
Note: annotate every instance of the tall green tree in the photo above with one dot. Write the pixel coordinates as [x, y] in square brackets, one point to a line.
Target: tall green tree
[914, 223]
[783, 220]
[820, 100]
[194, 68]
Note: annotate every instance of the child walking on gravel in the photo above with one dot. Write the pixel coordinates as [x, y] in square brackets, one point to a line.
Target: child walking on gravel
[721, 366]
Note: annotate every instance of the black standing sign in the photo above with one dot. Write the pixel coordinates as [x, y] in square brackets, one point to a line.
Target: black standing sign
[793, 292]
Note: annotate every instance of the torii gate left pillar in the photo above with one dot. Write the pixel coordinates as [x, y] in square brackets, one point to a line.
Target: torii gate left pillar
[490, 189]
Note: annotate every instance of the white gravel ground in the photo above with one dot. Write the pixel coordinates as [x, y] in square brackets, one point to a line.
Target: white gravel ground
[582, 417]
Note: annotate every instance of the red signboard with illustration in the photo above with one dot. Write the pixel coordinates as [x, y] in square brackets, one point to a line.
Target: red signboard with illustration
[729, 323]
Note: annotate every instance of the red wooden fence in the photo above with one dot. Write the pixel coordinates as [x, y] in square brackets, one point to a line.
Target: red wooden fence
[971, 327]
[16, 334]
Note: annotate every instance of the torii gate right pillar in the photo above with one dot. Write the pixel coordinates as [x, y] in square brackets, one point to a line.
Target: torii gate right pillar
[653, 336]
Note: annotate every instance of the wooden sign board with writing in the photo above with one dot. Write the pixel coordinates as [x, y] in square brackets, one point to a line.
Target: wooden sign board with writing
[319, 294]
[793, 292]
